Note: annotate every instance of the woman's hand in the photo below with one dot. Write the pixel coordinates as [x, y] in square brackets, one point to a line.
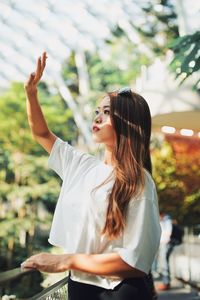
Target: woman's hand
[49, 263]
[34, 78]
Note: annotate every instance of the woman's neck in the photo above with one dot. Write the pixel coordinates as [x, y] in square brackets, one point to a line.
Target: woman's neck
[108, 156]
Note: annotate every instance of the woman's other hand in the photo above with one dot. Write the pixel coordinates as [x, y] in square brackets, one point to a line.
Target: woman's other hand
[49, 263]
[34, 78]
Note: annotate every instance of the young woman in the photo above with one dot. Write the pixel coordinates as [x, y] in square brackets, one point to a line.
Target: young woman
[106, 218]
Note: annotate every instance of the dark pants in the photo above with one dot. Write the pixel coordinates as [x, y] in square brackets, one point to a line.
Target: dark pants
[128, 289]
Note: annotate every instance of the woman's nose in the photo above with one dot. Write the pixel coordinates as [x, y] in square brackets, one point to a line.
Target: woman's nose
[98, 118]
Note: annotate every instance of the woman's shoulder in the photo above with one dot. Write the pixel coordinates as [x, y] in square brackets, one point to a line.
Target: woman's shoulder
[74, 152]
[149, 181]
[149, 189]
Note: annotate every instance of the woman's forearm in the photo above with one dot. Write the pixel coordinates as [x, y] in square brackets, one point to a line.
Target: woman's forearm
[36, 119]
[35, 115]
[109, 264]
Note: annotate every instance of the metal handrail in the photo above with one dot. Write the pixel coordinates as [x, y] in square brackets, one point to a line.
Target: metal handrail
[192, 284]
[13, 274]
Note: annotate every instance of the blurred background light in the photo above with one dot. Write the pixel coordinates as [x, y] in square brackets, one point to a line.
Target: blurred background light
[168, 129]
[187, 132]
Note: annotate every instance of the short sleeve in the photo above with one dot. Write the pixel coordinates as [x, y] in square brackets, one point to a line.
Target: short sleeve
[142, 233]
[65, 158]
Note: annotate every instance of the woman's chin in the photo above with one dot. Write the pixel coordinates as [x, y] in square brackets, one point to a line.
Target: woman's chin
[96, 139]
[110, 142]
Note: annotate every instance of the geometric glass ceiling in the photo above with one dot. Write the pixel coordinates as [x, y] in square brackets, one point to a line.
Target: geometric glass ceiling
[27, 28]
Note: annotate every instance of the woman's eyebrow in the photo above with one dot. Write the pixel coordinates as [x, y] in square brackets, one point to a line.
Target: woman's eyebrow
[104, 106]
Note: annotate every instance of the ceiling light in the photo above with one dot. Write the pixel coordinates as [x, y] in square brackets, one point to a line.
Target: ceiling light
[187, 132]
[168, 129]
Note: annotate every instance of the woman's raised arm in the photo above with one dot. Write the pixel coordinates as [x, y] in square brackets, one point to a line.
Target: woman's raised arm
[37, 122]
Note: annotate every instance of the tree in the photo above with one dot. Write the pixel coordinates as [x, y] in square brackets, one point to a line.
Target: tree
[159, 29]
[177, 179]
[159, 25]
[117, 65]
[186, 59]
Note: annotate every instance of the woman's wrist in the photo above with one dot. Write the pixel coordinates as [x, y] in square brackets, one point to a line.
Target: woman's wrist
[31, 93]
[68, 261]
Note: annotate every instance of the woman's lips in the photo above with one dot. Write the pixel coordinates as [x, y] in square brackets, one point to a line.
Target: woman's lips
[95, 128]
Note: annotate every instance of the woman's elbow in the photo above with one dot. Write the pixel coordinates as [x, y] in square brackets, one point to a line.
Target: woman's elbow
[130, 271]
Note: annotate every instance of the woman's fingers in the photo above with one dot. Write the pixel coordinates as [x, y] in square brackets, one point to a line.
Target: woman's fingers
[41, 63]
[36, 261]
[44, 57]
[38, 72]
[28, 264]
[31, 78]
[47, 262]
[36, 76]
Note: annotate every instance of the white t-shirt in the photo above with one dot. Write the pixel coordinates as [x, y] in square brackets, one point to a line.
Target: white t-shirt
[79, 216]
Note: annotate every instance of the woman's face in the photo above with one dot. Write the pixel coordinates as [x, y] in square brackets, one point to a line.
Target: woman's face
[102, 129]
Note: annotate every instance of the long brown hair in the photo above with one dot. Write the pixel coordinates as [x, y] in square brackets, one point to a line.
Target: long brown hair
[131, 120]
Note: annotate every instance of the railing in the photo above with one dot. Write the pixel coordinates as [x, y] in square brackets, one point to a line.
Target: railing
[13, 274]
[9, 276]
[57, 291]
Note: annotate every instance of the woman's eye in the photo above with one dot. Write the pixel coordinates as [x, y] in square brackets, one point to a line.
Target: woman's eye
[96, 112]
[106, 111]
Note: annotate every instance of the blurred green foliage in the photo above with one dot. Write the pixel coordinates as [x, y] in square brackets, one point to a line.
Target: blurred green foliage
[177, 180]
[160, 32]
[119, 64]
[159, 26]
[186, 59]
